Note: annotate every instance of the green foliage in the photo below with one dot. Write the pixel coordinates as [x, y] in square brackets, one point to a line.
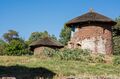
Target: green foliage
[49, 52]
[76, 55]
[10, 35]
[78, 69]
[53, 37]
[116, 44]
[2, 42]
[38, 35]
[116, 60]
[16, 47]
[100, 58]
[116, 28]
[2, 47]
[65, 35]
[116, 37]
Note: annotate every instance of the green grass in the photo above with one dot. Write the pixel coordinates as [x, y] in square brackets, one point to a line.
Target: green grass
[61, 67]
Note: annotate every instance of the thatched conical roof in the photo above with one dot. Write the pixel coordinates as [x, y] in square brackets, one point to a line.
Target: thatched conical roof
[90, 17]
[47, 41]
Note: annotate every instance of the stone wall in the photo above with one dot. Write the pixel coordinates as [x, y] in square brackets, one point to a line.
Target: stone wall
[97, 38]
[39, 50]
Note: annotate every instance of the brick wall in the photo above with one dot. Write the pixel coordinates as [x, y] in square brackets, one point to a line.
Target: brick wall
[95, 37]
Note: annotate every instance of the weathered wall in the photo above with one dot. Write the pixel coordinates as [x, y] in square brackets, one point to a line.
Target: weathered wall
[39, 50]
[97, 38]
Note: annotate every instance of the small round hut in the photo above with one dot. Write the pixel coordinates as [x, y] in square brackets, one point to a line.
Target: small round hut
[47, 42]
[91, 31]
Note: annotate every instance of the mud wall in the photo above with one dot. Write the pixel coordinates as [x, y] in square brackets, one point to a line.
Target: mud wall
[97, 38]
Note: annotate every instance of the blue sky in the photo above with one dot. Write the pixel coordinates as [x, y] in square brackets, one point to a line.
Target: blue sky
[27, 16]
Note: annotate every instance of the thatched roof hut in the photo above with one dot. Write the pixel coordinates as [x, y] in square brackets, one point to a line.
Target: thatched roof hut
[91, 31]
[39, 45]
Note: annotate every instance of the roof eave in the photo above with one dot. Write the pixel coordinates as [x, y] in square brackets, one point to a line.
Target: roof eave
[69, 24]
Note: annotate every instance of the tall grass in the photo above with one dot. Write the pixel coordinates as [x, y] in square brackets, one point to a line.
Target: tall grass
[67, 63]
[63, 67]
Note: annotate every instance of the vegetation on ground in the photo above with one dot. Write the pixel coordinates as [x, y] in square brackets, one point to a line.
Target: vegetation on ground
[62, 67]
[75, 55]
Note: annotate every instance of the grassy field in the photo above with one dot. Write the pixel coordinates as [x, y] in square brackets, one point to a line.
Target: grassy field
[61, 67]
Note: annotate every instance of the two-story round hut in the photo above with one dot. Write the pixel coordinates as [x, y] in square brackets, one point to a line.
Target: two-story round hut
[92, 31]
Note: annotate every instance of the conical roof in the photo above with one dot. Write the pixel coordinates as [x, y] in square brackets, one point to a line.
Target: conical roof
[47, 41]
[91, 17]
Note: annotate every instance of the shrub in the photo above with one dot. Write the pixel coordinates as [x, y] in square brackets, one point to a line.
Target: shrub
[2, 46]
[100, 58]
[16, 47]
[67, 54]
[116, 45]
[49, 52]
[75, 54]
[116, 60]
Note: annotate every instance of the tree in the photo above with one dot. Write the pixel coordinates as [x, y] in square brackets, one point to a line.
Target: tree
[38, 35]
[2, 42]
[53, 36]
[65, 35]
[16, 47]
[10, 35]
[116, 44]
[116, 28]
[116, 37]
[2, 46]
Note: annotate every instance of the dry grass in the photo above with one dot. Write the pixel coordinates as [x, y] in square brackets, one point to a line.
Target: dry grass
[63, 68]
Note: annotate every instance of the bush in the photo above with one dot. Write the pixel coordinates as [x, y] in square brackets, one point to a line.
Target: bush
[99, 58]
[116, 44]
[16, 47]
[49, 52]
[2, 47]
[94, 58]
[116, 60]
[76, 54]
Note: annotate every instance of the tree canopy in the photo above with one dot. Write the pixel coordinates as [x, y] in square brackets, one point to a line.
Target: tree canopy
[13, 44]
[38, 35]
[65, 35]
[116, 37]
[10, 35]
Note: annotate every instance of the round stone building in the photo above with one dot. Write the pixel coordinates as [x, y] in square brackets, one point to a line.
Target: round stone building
[40, 45]
[91, 31]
